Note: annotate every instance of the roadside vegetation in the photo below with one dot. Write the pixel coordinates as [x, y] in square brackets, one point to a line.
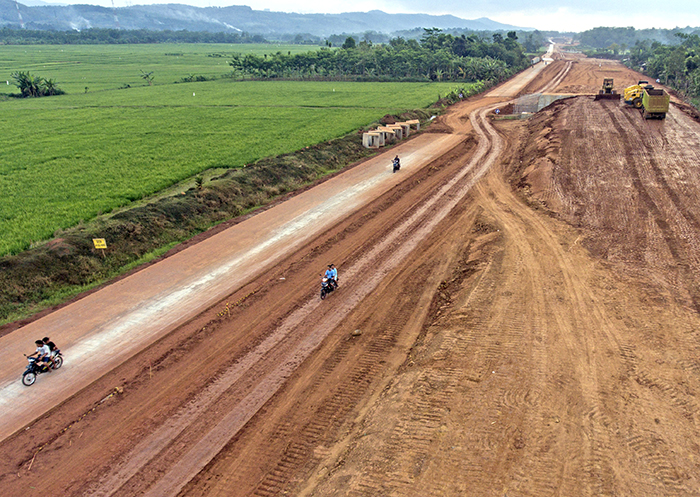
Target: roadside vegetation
[677, 66]
[607, 39]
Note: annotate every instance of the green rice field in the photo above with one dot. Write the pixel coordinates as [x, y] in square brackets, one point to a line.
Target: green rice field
[71, 157]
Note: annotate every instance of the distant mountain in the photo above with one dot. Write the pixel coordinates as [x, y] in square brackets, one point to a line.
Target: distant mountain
[233, 19]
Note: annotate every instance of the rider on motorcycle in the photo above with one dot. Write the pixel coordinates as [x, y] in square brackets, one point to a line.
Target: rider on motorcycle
[43, 354]
[332, 275]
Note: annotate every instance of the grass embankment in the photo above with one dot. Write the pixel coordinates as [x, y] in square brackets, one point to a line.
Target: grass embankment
[67, 265]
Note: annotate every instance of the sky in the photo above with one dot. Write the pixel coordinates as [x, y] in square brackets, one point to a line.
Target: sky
[558, 15]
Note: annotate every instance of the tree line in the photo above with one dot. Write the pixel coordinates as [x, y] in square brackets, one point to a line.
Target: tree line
[437, 56]
[622, 38]
[675, 65]
[100, 36]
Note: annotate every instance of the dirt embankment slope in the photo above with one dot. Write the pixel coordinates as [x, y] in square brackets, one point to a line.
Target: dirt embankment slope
[542, 340]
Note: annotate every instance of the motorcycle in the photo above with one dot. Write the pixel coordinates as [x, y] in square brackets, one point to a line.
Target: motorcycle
[327, 286]
[396, 165]
[33, 369]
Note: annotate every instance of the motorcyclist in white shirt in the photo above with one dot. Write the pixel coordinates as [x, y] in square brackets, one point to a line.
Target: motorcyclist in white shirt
[43, 354]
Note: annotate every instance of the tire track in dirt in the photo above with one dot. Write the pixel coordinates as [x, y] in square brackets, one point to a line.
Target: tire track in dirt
[419, 225]
[674, 245]
[651, 157]
[543, 255]
[273, 481]
[588, 309]
[556, 81]
[341, 400]
[603, 429]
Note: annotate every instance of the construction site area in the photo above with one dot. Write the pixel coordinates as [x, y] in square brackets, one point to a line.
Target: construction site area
[518, 315]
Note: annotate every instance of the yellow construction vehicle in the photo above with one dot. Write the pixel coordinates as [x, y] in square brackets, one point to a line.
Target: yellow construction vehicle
[655, 103]
[633, 94]
[607, 92]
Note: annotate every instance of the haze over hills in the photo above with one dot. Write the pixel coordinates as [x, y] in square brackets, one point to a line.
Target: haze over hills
[232, 19]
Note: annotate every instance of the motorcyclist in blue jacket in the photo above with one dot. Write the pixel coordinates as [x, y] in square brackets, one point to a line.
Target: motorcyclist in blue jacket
[332, 275]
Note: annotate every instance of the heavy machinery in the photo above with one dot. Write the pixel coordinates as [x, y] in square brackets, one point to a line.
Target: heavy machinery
[607, 92]
[632, 95]
[655, 102]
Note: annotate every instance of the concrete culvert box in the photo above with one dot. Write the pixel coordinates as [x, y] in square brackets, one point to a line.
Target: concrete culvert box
[373, 139]
[389, 135]
[398, 131]
[415, 124]
[406, 128]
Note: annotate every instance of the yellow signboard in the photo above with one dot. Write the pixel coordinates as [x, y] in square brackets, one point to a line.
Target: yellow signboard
[100, 243]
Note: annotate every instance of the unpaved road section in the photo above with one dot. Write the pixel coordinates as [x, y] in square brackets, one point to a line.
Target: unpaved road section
[102, 330]
[518, 317]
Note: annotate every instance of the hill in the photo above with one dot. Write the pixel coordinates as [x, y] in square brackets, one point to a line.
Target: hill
[233, 19]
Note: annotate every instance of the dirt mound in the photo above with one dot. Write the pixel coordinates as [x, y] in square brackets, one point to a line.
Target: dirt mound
[505, 110]
[689, 110]
[595, 164]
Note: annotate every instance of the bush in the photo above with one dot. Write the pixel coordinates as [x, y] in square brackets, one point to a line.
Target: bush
[35, 86]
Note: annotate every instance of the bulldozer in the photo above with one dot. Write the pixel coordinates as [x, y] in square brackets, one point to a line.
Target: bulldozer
[607, 92]
[632, 95]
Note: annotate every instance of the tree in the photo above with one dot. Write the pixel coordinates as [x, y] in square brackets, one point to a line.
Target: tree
[148, 77]
[349, 43]
[35, 86]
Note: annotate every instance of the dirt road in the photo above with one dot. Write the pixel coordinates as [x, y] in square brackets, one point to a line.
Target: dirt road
[518, 317]
[126, 317]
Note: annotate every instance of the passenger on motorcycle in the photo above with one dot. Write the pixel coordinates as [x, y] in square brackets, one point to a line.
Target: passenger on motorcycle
[335, 275]
[331, 274]
[52, 347]
[43, 354]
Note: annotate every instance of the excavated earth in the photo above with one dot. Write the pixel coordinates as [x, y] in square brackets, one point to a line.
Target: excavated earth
[533, 331]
